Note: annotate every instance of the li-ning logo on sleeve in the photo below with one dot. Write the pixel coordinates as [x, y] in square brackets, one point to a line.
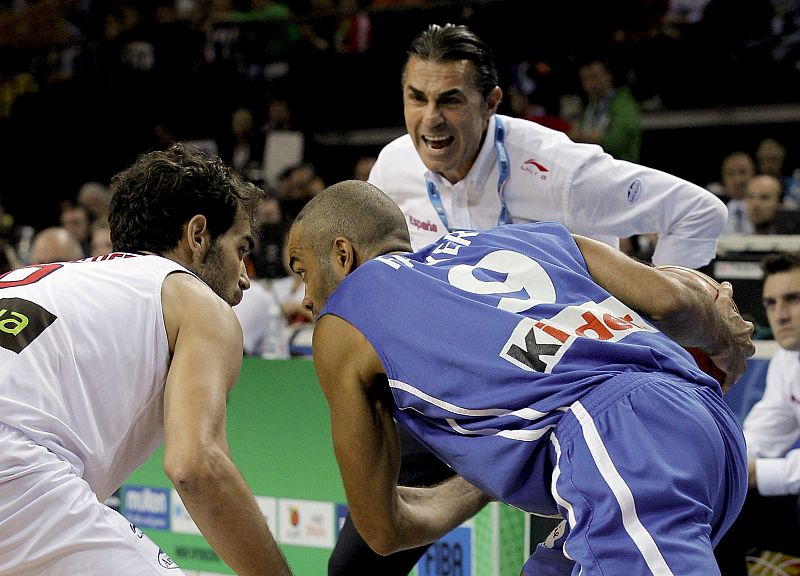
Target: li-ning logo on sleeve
[21, 322]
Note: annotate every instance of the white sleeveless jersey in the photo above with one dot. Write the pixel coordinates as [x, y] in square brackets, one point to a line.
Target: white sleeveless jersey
[83, 361]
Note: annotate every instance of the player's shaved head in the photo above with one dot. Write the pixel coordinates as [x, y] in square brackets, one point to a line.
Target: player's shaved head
[359, 212]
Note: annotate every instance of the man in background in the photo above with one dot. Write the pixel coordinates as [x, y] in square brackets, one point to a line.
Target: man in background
[770, 518]
[611, 116]
[54, 244]
[762, 199]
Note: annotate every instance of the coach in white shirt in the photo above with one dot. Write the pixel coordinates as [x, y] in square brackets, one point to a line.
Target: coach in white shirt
[461, 166]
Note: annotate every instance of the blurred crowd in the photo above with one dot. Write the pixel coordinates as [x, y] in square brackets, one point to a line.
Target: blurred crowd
[86, 86]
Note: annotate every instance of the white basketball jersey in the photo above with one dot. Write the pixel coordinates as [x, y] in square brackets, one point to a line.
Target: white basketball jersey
[84, 359]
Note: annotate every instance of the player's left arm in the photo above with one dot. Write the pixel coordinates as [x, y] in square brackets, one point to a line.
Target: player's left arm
[206, 341]
[678, 307]
[365, 442]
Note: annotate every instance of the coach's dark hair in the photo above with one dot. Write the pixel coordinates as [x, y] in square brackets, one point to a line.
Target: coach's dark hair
[451, 43]
[359, 212]
[162, 190]
[780, 262]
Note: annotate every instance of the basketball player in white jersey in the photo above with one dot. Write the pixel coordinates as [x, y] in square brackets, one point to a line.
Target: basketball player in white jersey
[101, 359]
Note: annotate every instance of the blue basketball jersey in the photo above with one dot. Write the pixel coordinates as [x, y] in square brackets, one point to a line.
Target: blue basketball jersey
[488, 337]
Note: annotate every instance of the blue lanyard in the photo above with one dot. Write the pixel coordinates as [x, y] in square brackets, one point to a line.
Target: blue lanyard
[503, 167]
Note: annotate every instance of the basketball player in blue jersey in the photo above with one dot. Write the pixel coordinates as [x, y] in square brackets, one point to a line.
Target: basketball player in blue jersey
[546, 369]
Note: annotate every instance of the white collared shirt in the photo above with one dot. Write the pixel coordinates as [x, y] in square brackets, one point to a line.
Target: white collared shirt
[553, 178]
[773, 426]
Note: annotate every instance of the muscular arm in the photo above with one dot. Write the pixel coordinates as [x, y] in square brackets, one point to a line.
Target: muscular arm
[678, 307]
[366, 446]
[206, 340]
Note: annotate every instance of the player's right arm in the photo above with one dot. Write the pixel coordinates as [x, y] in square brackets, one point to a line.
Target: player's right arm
[206, 344]
[388, 517]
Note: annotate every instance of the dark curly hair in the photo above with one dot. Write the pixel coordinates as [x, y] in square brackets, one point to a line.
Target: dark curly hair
[162, 190]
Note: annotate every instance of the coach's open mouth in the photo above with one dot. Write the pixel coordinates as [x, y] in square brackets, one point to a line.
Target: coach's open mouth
[438, 142]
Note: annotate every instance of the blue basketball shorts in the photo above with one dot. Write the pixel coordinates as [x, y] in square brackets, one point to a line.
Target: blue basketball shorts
[649, 473]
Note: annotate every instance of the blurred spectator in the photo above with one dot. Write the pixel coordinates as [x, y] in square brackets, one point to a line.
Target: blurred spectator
[100, 238]
[75, 219]
[362, 167]
[786, 30]
[266, 36]
[95, 199]
[13, 85]
[680, 12]
[771, 158]
[531, 96]
[6, 224]
[263, 324]
[279, 114]
[736, 171]
[297, 185]
[243, 148]
[762, 199]
[611, 116]
[284, 146]
[317, 29]
[54, 244]
[354, 28]
[267, 253]
[522, 105]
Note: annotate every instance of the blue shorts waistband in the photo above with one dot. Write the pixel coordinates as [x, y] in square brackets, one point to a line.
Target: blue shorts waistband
[618, 386]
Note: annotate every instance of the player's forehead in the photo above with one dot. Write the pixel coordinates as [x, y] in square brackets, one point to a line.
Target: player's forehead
[294, 238]
[241, 229]
[297, 246]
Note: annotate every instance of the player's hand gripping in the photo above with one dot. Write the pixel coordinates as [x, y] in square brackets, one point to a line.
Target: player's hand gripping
[735, 345]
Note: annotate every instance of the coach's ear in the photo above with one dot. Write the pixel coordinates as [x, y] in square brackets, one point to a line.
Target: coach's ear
[492, 102]
[343, 256]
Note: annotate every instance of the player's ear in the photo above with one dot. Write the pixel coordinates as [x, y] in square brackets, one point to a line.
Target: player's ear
[344, 255]
[196, 234]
